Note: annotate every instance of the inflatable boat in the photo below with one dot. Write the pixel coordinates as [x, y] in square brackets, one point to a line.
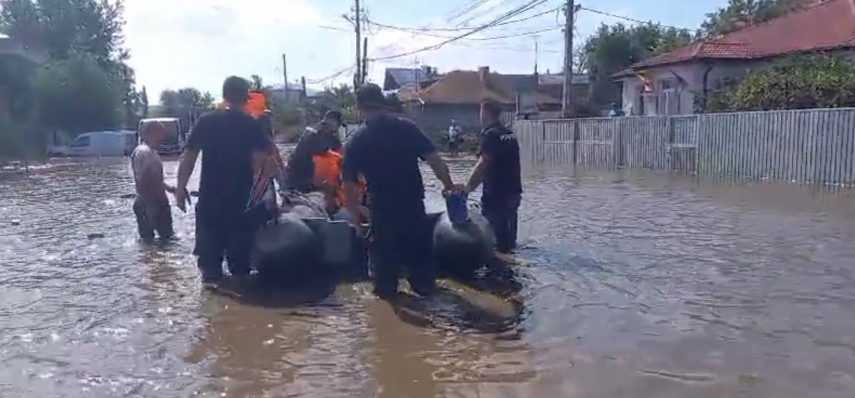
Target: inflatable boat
[306, 242]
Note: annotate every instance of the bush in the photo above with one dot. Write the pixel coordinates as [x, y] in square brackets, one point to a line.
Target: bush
[800, 82]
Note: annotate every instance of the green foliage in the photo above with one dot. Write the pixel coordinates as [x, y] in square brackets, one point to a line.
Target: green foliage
[615, 47]
[83, 43]
[77, 95]
[741, 13]
[799, 82]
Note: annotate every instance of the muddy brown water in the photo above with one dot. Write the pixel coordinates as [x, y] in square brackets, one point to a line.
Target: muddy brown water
[637, 285]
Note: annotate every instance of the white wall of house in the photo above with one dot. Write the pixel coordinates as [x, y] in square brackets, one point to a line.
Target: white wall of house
[675, 87]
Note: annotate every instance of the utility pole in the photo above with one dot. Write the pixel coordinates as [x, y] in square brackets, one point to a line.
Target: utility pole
[285, 75]
[567, 97]
[364, 61]
[357, 81]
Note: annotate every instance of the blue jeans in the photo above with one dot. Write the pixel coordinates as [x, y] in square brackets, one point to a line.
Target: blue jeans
[502, 213]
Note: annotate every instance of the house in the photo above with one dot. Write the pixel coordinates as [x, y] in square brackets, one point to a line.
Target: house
[458, 96]
[409, 78]
[671, 83]
[292, 92]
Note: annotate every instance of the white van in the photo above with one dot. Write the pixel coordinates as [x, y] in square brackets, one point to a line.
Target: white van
[102, 143]
[173, 141]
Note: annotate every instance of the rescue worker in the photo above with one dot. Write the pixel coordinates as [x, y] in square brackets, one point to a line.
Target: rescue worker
[328, 179]
[386, 150]
[229, 139]
[498, 167]
[315, 140]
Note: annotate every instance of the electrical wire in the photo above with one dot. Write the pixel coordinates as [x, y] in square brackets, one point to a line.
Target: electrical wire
[466, 10]
[519, 10]
[509, 36]
[427, 29]
[332, 76]
[625, 18]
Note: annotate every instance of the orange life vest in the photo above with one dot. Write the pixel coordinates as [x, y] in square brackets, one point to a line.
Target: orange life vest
[328, 171]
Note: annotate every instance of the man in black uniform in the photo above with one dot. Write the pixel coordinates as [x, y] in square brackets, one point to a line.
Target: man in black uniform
[498, 168]
[229, 139]
[314, 141]
[386, 150]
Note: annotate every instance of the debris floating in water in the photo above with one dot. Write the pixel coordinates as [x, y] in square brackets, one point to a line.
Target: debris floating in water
[129, 196]
[16, 223]
[95, 236]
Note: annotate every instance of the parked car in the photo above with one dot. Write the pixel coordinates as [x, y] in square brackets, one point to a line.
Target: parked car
[100, 143]
[173, 142]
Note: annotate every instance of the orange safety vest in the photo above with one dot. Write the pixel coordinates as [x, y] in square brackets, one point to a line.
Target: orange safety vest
[328, 170]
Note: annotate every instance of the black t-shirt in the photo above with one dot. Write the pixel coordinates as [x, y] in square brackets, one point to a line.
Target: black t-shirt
[386, 150]
[500, 147]
[227, 140]
[313, 142]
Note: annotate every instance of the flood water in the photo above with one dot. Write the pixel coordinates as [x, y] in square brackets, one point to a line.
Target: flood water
[634, 285]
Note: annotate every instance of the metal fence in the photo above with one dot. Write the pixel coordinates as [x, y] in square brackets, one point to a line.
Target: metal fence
[811, 146]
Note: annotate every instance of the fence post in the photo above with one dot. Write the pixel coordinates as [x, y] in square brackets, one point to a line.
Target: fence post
[575, 126]
[669, 158]
[618, 142]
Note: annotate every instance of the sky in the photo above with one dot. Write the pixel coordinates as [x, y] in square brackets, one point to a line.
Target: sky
[197, 43]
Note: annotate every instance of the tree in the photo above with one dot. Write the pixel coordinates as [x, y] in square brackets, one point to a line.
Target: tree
[615, 47]
[69, 30]
[144, 102]
[77, 95]
[256, 83]
[799, 82]
[741, 13]
[186, 104]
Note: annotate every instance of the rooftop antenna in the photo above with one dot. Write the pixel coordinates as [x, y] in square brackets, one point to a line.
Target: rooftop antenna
[535, 54]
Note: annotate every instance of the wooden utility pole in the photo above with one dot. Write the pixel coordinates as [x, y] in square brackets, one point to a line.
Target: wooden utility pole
[364, 74]
[285, 74]
[567, 97]
[357, 81]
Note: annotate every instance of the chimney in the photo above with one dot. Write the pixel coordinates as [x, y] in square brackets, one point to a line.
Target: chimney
[483, 71]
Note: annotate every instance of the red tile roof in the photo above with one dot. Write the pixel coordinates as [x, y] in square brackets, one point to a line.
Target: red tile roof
[827, 25]
[466, 87]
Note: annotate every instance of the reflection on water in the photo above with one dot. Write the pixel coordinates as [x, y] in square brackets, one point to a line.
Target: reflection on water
[630, 285]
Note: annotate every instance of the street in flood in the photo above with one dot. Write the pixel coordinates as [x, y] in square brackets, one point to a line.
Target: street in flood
[633, 285]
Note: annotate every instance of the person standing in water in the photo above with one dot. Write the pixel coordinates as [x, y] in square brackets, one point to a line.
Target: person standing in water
[386, 150]
[315, 140]
[455, 137]
[498, 168]
[229, 139]
[151, 206]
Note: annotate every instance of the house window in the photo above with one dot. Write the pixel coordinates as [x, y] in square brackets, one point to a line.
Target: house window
[667, 84]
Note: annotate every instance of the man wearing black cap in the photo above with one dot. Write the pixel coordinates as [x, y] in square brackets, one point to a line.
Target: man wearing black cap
[386, 150]
[315, 140]
[229, 138]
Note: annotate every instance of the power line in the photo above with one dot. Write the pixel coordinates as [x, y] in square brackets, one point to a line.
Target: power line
[625, 18]
[427, 29]
[472, 7]
[519, 10]
[509, 36]
[332, 76]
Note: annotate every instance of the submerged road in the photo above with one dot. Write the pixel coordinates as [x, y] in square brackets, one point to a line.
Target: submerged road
[637, 286]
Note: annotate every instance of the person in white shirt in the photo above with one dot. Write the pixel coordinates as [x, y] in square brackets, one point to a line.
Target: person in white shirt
[151, 206]
[455, 137]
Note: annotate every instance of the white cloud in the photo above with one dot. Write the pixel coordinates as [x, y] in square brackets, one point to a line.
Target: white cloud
[199, 42]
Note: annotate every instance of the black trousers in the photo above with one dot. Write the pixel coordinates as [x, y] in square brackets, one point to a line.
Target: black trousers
[153, 218]
[401, 239]
[224, 236]
[502, 213]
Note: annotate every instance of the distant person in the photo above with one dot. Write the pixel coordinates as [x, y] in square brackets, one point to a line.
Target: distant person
[498, 168]
[229, 139]
[315, 140]
[616, 110]
[455, 137]
[151, 206]
[386, 150]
